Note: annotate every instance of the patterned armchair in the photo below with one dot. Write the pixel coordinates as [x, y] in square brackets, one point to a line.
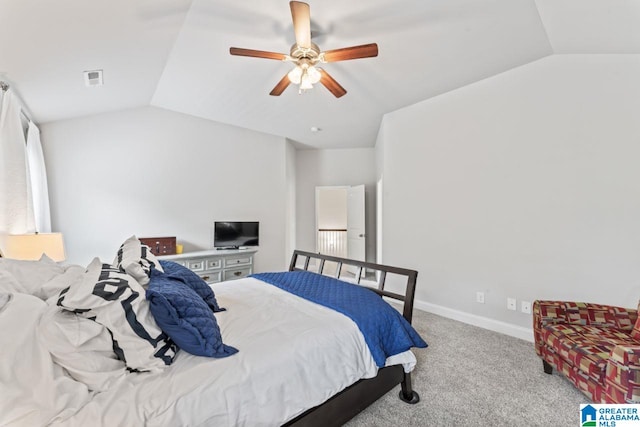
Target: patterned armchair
[597, 347]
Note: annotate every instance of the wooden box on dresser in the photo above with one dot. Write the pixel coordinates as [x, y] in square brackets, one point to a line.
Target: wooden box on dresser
[217, 265]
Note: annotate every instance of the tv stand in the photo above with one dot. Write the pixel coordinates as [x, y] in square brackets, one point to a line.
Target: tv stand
[217, 265]
[226, 248]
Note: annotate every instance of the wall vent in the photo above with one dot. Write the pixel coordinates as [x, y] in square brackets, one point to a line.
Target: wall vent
[93, 78]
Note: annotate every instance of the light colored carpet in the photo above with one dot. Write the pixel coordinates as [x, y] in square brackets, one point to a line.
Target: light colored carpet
[469, 376]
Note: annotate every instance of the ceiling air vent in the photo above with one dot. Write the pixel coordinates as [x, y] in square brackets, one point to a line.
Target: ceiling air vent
[93, 78]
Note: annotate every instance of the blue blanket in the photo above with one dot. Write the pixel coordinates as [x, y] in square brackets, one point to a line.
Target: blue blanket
[384, 329]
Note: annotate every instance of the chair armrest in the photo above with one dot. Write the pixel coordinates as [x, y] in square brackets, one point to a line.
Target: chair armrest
[545, 313]
[622, 381]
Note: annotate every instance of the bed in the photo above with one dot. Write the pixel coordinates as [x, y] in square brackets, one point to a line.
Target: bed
[291, 361]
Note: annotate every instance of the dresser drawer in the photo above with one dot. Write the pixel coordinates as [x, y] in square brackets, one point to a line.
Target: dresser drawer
[237, 273]
[211, 276]
[213, 264]
[196, 264]
[233, 261]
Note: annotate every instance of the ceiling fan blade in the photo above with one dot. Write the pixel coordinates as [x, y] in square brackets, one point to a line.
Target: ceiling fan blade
[257, 53]
[353, 52]
[281, 86]
[301, 23]
[330, 83]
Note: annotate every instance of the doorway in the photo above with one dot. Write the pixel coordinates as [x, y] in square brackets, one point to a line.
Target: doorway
[340, 221]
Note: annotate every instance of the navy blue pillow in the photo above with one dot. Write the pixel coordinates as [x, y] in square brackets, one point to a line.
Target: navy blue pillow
[185, 317]
[195, 282]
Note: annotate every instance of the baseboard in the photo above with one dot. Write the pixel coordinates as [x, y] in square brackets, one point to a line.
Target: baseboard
[475, 320]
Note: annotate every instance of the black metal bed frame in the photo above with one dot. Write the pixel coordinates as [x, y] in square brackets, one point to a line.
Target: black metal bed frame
[349, 402]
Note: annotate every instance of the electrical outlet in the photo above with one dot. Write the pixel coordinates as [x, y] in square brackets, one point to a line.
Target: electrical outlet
[511, 304]
[480, 297]
[525, 307]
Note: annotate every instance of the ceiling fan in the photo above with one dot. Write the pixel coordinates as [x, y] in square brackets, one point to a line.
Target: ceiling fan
[306, 55]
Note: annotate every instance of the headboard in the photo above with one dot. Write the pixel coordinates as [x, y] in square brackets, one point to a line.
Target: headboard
[411, 275]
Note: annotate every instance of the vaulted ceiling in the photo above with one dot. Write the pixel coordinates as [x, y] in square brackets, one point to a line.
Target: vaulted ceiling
[174, 54]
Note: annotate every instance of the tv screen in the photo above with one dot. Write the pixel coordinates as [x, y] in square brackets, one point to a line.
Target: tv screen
[235, 234]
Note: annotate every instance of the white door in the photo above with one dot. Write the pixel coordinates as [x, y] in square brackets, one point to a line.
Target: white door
[356, 237]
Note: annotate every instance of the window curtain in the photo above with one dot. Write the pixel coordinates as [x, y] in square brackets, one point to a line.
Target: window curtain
[16, 206]
[38, 180]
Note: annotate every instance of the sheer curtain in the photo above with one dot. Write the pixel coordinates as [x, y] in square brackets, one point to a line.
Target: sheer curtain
[38, 179]
[16, 206]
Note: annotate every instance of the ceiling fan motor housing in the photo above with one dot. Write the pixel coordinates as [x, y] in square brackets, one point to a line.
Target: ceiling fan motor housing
[312, 53]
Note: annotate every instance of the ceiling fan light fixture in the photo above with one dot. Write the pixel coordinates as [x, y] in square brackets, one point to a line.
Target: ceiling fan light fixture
[304, 75]
[314, 74]
[305, 84]
[295, 75]
[310, 76]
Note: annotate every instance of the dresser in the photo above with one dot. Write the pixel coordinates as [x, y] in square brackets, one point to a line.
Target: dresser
[216, 265]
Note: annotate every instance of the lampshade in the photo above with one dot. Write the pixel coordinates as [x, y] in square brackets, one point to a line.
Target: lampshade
[295, 75]
[305, 84]
[32, 246]
[314, 74]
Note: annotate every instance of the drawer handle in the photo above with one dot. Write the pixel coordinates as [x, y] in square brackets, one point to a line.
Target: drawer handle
[205, 277]
[237, 273]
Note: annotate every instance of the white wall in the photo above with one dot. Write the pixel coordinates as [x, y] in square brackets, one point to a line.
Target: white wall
[332, 207]
[333, 168]
[290, 219]
[524, 185]
[153, 172]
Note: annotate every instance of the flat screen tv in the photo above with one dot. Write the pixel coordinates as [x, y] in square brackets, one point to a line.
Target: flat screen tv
[234, 234]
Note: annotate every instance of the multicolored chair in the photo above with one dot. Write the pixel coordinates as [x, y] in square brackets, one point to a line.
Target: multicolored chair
[597, 347]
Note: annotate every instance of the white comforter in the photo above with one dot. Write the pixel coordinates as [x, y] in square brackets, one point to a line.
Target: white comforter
[293, 355]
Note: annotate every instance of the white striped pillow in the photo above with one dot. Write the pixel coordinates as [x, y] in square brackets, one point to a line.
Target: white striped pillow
[117, 301]
[137, 260]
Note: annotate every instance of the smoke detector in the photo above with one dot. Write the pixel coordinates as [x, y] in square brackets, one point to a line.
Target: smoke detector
[93, 78]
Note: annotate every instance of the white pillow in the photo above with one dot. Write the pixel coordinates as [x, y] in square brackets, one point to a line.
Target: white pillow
[81, 346]
[31, 275]
[35, 391]
[117, 301]
[137, 260]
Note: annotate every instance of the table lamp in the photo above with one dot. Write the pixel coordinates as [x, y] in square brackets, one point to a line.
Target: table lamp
[33, 246]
